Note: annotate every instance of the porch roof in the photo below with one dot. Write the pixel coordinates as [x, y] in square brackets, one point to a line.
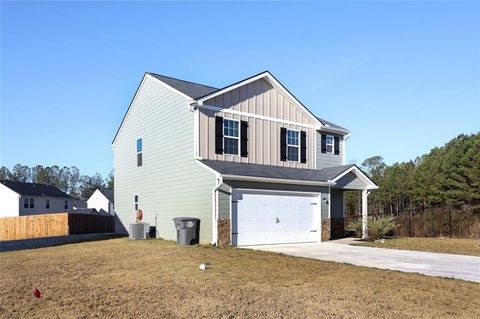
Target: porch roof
[327, 176]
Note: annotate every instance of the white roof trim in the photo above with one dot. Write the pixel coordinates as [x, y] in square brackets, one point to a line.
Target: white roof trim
[359, 174]
[275, 180]
[274, 82]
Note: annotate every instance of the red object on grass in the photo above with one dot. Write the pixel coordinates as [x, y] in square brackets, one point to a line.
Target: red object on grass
[37, 293]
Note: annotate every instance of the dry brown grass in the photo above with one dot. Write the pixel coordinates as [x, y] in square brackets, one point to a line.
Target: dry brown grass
[436, 245]
[120, 278]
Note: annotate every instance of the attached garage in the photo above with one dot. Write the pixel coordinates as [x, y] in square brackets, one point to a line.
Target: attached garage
[268, 217]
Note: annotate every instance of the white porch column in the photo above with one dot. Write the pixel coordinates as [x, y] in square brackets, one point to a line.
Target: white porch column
[364, 214]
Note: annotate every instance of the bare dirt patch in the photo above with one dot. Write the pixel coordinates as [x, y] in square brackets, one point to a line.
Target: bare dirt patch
[120, 278]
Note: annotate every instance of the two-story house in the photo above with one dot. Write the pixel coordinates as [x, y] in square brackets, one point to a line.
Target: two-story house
[250, 160]
[22, 199]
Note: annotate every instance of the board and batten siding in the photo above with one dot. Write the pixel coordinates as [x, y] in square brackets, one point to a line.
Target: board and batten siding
[258, 98]
[169, 183]
[327, 159]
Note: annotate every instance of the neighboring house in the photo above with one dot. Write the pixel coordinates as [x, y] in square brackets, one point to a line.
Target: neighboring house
[250, 160]
[102, 201]
[21, 199]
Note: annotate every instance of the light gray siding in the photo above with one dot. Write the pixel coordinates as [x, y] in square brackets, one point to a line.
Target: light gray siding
[326, 159]
[170, 183]
[325, 202]
[350, 181]
[336, 198]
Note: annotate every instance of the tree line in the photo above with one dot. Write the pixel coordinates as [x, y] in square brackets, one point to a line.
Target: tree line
[67, 179]
[447, 175]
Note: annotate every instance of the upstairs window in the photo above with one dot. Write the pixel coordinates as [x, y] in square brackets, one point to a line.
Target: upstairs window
[231, 137]
[135, 200]
[139, 152]
[66, 204]
[32, 203]
[47, 204]
[293, 145]
[25, 203]
[330, 144]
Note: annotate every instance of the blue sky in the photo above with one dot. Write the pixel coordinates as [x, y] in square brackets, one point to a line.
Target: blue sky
[404, 77]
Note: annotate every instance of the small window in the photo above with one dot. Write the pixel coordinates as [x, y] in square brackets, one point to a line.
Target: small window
[66, 204]
[135, 199]
[25, 203]
[293, 145]
[330, 144]
[47, 204]
[230, 137]
[32, 203]
[139, 152]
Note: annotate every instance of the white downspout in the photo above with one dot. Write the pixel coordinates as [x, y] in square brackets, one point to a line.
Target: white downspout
[219, 182]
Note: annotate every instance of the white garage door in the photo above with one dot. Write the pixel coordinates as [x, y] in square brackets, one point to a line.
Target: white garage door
[275, 218]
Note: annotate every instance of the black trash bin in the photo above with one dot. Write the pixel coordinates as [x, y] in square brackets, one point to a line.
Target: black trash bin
[188, 230]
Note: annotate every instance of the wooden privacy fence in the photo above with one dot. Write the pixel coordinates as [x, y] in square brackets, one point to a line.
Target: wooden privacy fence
[47, 225]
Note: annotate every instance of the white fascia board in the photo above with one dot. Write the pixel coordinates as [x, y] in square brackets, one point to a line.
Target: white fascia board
[272, 81]
[359, 174]
[231, 87]
[262, 117]
[328, 129]
[276, 180]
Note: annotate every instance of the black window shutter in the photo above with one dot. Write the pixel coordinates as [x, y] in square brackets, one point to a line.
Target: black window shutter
[218, 135]
[324, 143]
[244, 138]
[337, 145]
[283, 144]
[303, 147]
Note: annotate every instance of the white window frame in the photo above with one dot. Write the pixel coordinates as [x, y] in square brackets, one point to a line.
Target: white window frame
[137, 152]
[332, 144]
[232, 137]
[292, 145]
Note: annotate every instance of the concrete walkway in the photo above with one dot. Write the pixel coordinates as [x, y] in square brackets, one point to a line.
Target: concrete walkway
[33, 243]
[430, 264]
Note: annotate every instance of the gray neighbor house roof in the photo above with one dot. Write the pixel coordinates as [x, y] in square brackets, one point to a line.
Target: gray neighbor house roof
[34, 189]
[278, 172]
[196, 90]
[108, 193]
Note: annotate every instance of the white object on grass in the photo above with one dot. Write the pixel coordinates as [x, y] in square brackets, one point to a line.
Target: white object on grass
[203, 266]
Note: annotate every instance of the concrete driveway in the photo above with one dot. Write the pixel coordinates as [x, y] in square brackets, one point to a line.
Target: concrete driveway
[430, 264]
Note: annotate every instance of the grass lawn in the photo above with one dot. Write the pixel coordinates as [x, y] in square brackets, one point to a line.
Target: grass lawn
[437, 245]
[120, 278]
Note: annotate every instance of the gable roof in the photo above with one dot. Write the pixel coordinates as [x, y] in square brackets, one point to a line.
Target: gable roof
[328, 176]
[108, 193]
[34, 189]
[201, 92]
[193, 90]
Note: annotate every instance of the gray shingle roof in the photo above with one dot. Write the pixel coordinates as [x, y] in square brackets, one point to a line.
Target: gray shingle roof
[108, 193]
[330, 124]
[34, 189]
[266, 171]
[193, 90]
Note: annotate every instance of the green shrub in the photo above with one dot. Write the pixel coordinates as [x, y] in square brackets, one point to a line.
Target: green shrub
[378, 227]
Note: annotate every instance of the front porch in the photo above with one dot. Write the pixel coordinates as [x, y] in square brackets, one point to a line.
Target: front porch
[352, 179]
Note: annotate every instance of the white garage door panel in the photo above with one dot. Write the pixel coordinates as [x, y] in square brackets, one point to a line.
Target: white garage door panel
[275, 219]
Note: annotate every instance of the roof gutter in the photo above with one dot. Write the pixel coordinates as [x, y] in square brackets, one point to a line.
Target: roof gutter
[276, 180]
